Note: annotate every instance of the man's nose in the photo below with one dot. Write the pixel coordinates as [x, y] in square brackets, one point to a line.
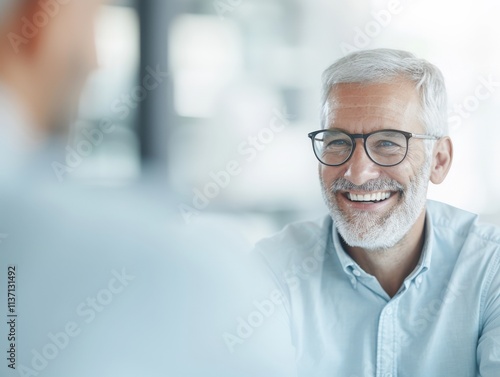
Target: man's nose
[360, 168]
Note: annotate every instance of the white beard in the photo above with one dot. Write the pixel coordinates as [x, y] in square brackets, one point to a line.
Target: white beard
[372, 231]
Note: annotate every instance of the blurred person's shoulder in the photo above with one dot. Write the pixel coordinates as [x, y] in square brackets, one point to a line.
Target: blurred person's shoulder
[81, 222]
[296, 242]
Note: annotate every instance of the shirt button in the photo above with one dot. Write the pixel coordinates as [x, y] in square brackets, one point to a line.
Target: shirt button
[388, 375]
[419, 279]
[389, 312]
[356, 273]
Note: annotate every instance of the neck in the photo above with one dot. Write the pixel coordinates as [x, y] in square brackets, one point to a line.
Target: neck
[392, 266]
[19, 77]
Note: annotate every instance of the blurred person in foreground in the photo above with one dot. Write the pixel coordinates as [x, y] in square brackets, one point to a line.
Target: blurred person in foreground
[97, 282]
[47, 51]
[389, 283]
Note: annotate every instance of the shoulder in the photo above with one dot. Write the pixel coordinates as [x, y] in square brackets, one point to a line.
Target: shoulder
[448, 220]
[296, 242]
[460, 235]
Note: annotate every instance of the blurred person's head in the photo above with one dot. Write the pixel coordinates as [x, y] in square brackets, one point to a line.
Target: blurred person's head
[377, 198]
[47, 50]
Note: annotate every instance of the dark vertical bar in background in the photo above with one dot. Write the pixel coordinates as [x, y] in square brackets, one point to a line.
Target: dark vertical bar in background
[155, 114]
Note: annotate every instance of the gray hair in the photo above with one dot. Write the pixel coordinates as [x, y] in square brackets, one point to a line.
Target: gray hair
[385, 65]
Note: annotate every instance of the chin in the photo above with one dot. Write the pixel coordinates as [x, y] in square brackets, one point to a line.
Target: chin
[375, 230]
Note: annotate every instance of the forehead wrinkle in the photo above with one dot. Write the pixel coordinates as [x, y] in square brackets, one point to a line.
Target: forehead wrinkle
[376, 117]
[383, 102]
[363, 95]
[388, 92]
[387, 108]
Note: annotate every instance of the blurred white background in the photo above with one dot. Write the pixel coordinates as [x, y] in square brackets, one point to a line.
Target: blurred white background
[245, 91]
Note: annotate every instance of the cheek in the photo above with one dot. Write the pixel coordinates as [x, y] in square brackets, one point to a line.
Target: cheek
[412, 165]
[54, 61]
[88, 48]
[402, 173]
[329, 174]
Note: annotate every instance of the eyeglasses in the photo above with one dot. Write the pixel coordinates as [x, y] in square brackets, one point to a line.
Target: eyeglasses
[334, 147]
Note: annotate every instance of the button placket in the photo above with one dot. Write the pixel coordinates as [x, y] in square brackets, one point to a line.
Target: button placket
[386, 339]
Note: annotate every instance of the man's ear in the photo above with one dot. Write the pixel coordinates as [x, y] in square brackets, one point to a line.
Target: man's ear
[441, 160]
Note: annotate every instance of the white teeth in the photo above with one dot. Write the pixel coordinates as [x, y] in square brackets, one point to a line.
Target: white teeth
[375, 197]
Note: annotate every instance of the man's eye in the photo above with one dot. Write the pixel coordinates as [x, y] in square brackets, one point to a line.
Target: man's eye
[387, 144]
[338, 143]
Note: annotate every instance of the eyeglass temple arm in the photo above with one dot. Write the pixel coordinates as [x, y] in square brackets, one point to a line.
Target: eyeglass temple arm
[429, 137]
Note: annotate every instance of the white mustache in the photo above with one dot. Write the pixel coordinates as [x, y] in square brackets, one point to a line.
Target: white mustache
[342, 184]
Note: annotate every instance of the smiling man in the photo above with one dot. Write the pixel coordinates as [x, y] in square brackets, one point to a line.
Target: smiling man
[389, 284]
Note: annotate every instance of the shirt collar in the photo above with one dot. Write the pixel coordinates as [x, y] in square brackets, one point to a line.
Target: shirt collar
[354, 271]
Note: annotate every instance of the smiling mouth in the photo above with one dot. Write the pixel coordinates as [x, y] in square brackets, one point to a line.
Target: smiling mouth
[374, 197]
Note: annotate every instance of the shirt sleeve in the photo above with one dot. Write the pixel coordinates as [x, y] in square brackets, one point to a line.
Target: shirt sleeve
[488, 349]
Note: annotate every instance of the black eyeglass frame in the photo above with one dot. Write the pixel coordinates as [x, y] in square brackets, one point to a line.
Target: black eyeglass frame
[353, 137]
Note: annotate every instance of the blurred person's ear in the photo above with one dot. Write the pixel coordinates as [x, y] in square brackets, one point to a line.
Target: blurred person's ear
[18, 38]
[16, 29]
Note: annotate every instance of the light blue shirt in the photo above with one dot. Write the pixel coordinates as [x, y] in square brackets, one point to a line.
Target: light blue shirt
[444, 320]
